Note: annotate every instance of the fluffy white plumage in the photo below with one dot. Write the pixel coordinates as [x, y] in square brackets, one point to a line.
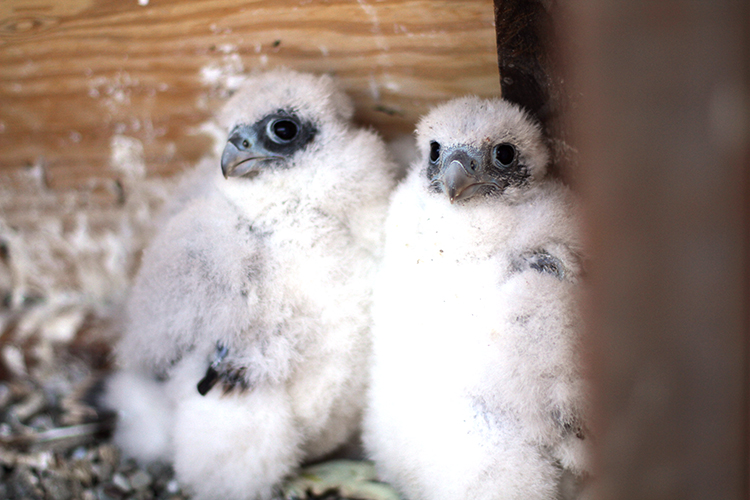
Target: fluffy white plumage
[258, 286]
[477, 390]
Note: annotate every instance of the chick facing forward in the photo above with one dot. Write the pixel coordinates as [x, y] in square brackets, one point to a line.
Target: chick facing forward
[477, 388]
[247, 333]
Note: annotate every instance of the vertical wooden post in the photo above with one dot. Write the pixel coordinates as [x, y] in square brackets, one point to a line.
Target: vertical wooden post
[531, 73]
[663, 136]
[661, 121]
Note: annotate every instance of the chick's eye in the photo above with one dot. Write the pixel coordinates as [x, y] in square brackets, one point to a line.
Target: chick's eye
[434, 152]
[283, 130]
[504, 154]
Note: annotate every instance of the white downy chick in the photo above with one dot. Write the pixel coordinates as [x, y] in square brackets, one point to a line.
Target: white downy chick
[248, 326]
[477, 388]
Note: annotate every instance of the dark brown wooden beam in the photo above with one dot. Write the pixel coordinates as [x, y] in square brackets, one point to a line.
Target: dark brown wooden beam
[661, 117]
[662, 128]
[531, 73]
[524, 29]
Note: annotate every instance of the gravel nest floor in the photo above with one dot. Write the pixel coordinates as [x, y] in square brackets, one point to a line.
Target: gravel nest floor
[54, 444]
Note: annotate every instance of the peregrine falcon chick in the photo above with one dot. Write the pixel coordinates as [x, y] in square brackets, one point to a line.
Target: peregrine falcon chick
[247, 330]
[477, 389]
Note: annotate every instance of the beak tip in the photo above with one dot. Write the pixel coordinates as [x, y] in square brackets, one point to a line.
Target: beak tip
[453, 193]
[227, 169]
[229, 158]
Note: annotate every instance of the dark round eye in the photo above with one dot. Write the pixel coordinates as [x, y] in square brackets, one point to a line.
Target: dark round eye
[434, 152]
[504, 155]
[282, 130]
[245, 144]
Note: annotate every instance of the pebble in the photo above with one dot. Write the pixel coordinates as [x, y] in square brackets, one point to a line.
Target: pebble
[140, 480]
[108, 454]
[14, 360]
[79, 453]
[8, 457]
[39, 461]
[57, 487]
[173, 487]
[121, 482]
[82, 472]
[88, 495]
[6, 430]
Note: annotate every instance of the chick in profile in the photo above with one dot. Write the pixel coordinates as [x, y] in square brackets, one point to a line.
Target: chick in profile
[477, 388]
[247, 330]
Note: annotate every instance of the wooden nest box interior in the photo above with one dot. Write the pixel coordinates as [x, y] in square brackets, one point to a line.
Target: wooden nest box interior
[103, 102]
[76, 73]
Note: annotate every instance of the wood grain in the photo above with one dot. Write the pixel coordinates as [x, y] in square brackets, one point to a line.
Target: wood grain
[84, 82]
[76, 73]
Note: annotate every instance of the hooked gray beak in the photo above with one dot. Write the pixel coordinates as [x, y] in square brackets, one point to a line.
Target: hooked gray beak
[232, 158]
[240, 157]
[461, 178]
[456, 180]
[238, 163]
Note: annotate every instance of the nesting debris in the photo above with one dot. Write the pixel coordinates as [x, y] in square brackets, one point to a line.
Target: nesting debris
[338, 479]
[55, 443]
[42, 459]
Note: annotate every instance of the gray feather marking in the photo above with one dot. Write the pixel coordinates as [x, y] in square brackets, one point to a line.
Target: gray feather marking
[546, 263]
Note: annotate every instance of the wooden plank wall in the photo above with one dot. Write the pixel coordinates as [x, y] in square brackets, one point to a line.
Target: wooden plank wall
[74, 73]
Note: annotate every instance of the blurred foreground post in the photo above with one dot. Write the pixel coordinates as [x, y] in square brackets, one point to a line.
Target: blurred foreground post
[657, 95]
[662, 129]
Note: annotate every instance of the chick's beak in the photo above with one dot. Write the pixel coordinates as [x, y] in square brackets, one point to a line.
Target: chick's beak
[236, 162]
[460, 177]
[241, 156]
[231, 158]
[456, 180]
